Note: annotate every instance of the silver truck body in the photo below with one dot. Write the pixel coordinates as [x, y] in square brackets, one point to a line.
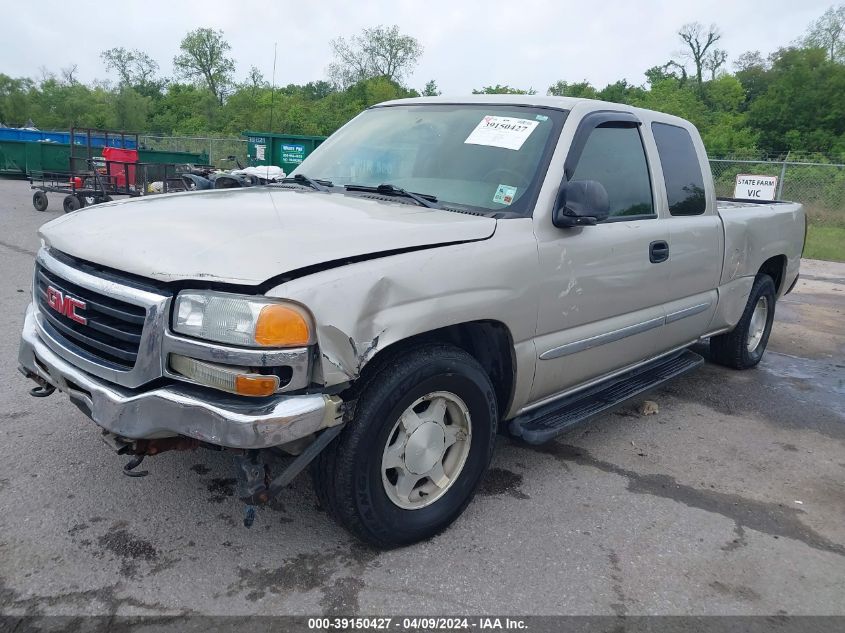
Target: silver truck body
[577, 305]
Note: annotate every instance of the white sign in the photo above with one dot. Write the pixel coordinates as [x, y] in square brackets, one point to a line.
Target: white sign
[750, 187]
[501, 131]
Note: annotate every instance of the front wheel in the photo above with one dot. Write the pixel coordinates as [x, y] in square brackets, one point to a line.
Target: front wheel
[418, 444]
[743, 347]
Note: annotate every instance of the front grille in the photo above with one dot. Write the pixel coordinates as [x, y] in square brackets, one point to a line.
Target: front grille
[112, 334]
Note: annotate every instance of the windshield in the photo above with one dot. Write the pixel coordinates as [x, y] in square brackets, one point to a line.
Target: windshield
[485, 157]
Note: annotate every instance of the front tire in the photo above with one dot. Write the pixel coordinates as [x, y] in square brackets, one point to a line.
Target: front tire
[415, 450]
[743, 347]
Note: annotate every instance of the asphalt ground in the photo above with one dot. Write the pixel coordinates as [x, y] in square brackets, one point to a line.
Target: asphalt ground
[729, 500]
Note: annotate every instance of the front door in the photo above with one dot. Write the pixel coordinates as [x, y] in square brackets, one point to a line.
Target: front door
[604, 286]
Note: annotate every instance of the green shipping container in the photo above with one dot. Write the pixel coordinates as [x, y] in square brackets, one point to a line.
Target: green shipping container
[23, 157]
[283, 150]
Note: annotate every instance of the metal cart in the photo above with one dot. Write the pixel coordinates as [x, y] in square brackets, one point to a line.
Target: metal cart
[92, 178]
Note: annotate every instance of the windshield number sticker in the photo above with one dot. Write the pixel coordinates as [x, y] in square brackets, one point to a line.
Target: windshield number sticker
[501, 131]
[504, 194]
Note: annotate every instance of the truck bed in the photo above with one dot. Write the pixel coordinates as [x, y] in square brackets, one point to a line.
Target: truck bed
[757, 230]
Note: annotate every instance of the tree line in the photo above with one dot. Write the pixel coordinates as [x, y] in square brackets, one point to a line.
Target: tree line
[791, 100]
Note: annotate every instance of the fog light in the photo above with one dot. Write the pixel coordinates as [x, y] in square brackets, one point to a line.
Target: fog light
[225, 378]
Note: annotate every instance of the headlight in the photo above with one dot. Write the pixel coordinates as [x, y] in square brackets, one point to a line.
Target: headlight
[241, 319]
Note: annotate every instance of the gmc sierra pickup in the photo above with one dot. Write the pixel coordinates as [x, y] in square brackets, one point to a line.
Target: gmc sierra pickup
[438, 271]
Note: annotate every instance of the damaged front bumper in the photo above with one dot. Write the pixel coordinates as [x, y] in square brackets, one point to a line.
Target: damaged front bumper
[177, 409]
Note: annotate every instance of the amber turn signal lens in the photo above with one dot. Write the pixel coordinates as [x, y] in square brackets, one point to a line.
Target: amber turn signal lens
[253, 385]
[281, 326]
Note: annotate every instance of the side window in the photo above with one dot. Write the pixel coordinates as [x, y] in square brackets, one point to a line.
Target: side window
[614, 156]
[681, 169]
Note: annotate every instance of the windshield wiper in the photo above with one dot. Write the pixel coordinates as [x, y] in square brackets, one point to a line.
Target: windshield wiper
[423, 199]
[314, 183]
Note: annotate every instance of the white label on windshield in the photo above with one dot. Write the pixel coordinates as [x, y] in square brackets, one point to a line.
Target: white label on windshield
[501, 131]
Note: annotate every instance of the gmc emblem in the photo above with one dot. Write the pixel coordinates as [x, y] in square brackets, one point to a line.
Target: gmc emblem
[66, 305]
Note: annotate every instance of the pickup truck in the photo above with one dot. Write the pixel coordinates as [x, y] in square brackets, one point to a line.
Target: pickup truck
[438, 271]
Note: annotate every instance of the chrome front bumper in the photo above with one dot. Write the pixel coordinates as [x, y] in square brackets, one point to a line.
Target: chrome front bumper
[178, 409]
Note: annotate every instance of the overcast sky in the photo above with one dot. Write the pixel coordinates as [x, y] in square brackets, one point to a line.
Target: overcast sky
[468, 44]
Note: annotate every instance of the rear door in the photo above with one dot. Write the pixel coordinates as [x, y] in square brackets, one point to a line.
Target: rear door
[696, 239]
[603, 287]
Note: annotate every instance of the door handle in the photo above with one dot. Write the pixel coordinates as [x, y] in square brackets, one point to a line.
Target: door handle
[658, 252]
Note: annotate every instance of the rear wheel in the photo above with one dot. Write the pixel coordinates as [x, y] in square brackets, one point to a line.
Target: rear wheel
[39, 201]
[71, 203]
[411, 458]
[743, 347]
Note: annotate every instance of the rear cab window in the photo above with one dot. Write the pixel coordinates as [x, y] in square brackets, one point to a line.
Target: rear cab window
[681, 169]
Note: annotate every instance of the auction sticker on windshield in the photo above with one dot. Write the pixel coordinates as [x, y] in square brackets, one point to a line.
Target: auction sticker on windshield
[504, 194]
[501, 131]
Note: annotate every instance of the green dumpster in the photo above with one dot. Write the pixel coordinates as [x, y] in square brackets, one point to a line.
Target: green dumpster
[13, 157]
[25, 157]
[283, 150]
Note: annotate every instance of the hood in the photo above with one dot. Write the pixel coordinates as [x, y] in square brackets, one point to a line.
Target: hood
[247, 236]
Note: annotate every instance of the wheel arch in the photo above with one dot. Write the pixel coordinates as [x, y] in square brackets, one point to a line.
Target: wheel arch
[488, 341]
[775, 267]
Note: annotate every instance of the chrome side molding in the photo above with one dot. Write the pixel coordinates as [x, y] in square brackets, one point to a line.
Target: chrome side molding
[616, 335]
[687, 312]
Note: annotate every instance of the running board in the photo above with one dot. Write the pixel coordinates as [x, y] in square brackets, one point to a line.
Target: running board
[544, 424]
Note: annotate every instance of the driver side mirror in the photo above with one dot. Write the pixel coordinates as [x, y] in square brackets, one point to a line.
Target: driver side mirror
[581, 203]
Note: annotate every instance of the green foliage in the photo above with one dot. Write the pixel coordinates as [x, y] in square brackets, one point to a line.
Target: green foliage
[825, 242]
[204, 59]
[620, 92]
[793, 101]
[430, 89]
[502, 90]
[828, 32]
[581, 89]
[381, 51]
[803, 105]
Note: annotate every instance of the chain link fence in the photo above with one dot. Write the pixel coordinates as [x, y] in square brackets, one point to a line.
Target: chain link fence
[218, 150]
[820, 187]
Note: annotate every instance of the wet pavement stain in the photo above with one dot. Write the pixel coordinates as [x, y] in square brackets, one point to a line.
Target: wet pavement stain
[301, 573]
[79, 527]
[342, 597]
[739, 541]
[130, 549]
[619, 607]
[307, 572]
[201, 469]
[125, 545]
[774, 519]
[222, 489]
[88, 599]
[14, 415]
[740, 592]
[783, 406]
[499, 481]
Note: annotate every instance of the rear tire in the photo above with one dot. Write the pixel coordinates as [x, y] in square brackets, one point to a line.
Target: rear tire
[359, 477]
[40, 201]
[71, 203]
[743, 347]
